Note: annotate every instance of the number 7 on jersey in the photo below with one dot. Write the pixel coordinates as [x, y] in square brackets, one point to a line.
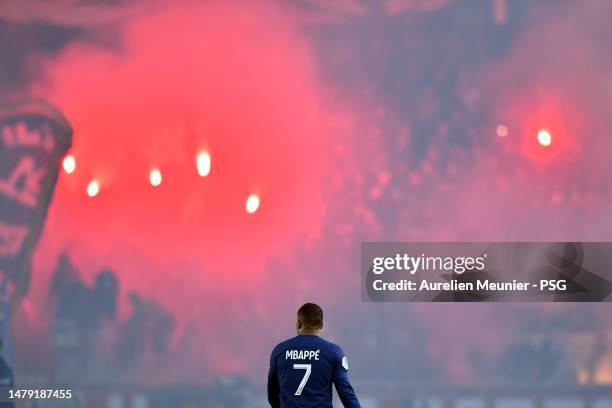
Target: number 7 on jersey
[308, 368]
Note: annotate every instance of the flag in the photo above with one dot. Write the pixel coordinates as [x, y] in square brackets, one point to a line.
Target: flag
[34, 137]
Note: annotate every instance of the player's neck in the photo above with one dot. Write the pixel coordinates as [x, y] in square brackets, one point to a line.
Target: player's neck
[309, 332]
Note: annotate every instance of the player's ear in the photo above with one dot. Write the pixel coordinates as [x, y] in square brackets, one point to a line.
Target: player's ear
[298, 324]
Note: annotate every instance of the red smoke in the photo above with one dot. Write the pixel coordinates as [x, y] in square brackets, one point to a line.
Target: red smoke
[230, 80]
[240, 82]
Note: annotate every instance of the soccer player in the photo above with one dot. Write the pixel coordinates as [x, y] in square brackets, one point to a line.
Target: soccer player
[303, 368]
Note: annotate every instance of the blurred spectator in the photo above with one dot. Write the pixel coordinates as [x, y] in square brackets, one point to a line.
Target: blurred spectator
[79, 316]
[6, 378]
[147, 331]
[532, 362]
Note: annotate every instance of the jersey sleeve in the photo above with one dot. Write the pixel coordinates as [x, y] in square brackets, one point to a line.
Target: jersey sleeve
[341, 381]
[273, 386]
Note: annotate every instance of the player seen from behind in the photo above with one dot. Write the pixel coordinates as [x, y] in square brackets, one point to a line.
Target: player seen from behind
[303, 368]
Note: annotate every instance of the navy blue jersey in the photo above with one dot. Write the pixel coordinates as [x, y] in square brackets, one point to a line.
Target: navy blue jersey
[302, 371]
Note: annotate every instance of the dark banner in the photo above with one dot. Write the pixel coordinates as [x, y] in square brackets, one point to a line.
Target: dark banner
[487, 272]
[34, 137]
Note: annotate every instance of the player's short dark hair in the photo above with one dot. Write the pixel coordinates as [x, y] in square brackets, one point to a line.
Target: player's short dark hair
[311, 316]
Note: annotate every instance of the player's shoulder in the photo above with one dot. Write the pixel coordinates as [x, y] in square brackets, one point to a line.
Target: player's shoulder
[283, 345]
[331, 348]
[337, 354]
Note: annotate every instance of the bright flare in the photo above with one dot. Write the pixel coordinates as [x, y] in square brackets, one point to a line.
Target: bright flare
[69, 164]
[93, 188]
[544, 137]
[502, 130]
[155, 177]
[252, 204]
[203, 162]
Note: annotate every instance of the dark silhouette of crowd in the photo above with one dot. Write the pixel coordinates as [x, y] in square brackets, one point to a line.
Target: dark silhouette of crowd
[89, 339]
